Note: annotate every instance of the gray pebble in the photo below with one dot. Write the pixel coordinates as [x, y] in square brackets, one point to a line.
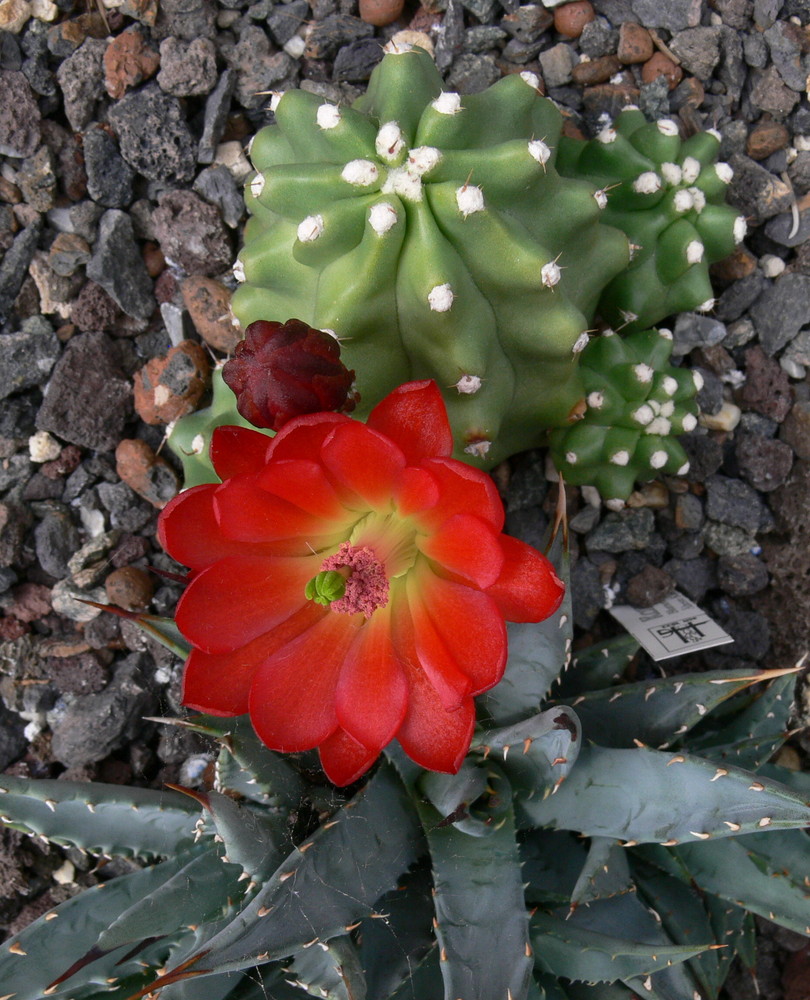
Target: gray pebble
[28, 356]
[694, 577]
[217, 186]
[285, 19]
[698, 50]
[781, 311]
[741, 575]
[118, 267]
[695, 330]
[20, 119]
[674, 15]
[764, 463]
[733, 503]
[726, 540]
[14, 267]
[55, 541]
[153, 135]
[556, 64]
[217, 109]
[623, 531]
[187, 69]
[587, 592]
[109, 177]
[81, 77]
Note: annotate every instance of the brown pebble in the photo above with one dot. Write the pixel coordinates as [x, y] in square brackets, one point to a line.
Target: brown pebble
[128, 60]
[153, 259]
[209, 305]
[130, 588]
[149, 475]
[32, 601]
[592, 71]
[9, 192]
[571, 18]
[171, 387]
[766, 137]
[380, 12]
[635, 44]
[738, 264]
[661, 65]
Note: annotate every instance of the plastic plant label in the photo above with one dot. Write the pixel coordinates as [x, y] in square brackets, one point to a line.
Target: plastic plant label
[671, 628]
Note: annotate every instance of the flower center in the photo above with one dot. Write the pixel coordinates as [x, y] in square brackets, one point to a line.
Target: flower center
[350, 581]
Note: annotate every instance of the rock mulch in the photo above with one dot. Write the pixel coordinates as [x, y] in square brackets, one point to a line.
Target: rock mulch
[122, 154]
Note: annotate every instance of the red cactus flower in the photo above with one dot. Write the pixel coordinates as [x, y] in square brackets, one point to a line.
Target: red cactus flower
[283, 370]
[350, 583]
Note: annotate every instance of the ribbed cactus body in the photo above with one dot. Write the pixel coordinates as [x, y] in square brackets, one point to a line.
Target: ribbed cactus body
[668, 196]
[433, 235]
[636, 404]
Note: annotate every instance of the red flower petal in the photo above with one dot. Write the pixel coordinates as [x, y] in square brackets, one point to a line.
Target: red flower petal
[461, 489]
[305, 484]
[189, 532]
[467, 547]
[237, 599]
[451, 685]
[292, 700]
[429, 734]
[247, 513]
[235, 450]
[219, 683]
[469, 626]
[344, 759]
[416, 490]
[528, 589]
[414, 417]
[303, 437]
[372, 693]
[363, 462]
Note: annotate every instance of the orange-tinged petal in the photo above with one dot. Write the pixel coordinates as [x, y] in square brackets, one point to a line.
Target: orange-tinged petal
[303, 436]
[372, 693]
[247, 513]
[235, 450]
[305, 484]
[237, 599]
[528, 589]
[432, 736]
[469, 626]
[364, 463]
[219, 683]
[344, 759]
[414, 417]
[189, 532]
[467, 547]
[292, 699]
[462, 490]
[451, 685]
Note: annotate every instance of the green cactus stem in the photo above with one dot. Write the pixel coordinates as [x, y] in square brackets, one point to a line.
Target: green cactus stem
[668, 196]
[432, 234]
[636, 402]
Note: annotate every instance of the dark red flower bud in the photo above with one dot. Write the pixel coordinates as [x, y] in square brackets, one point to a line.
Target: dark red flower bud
[283, 370]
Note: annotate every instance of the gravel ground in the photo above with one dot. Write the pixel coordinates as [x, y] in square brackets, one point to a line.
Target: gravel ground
[122, 136]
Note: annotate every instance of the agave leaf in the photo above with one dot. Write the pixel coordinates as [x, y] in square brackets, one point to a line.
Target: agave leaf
[197, 893]
[645, 795]
[424, 982]
[481, 919]
[452, 795]
[605, 873]
[537, 654]
[545, 987]
[734, 927]
[66, 938]
[331, 970]
[599, 666]
[658, 712]
[252, 840]
[754, 733]
[538, 753]
[210, 988]
[330, 881]
[799, 781]
[552, 861]
[103, 819]
[684, 918]
[266, 778]
[599, 991]
[566, 949]
[166, 632]
[392, 948]
[763, 873]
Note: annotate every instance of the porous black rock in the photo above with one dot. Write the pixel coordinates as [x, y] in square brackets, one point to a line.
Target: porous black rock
[154, 136]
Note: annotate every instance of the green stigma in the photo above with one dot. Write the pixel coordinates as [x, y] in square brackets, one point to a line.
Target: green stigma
[325, 587]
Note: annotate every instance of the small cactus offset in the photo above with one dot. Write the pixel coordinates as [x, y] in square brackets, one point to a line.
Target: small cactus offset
[668, 196]
[635, 406]
[604, 842]
[432, 234]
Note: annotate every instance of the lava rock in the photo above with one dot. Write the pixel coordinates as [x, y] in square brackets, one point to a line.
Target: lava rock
[764, 462]
[209, 305]
[285, 19]
[109, 176]
[674, 15]
[117, 266]
[741, 575]
[649, 587]
[28, 356]
[20, 119]
[187, 69]
[698, 50]
[169, 388]
[694, 577]
[587, 592]
[623, 531]
[81, 77]
[155, 139]
[771, 95]
[14, 266]
[734, 503]
[755, 191]
[56, 539]
[93, 309]
[795, 431]
[89, 399]
[767, 387]
[191, 233]
[258, 68]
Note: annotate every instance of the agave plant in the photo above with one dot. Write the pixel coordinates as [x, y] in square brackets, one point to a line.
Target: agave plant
[605, 838]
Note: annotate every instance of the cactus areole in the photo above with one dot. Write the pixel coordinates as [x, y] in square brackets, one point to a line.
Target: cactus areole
[342, 592]
[432, 234]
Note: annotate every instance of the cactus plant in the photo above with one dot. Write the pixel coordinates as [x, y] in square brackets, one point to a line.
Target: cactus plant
[478, 884]
[433, 235]
[668, 196]
[635, 405]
